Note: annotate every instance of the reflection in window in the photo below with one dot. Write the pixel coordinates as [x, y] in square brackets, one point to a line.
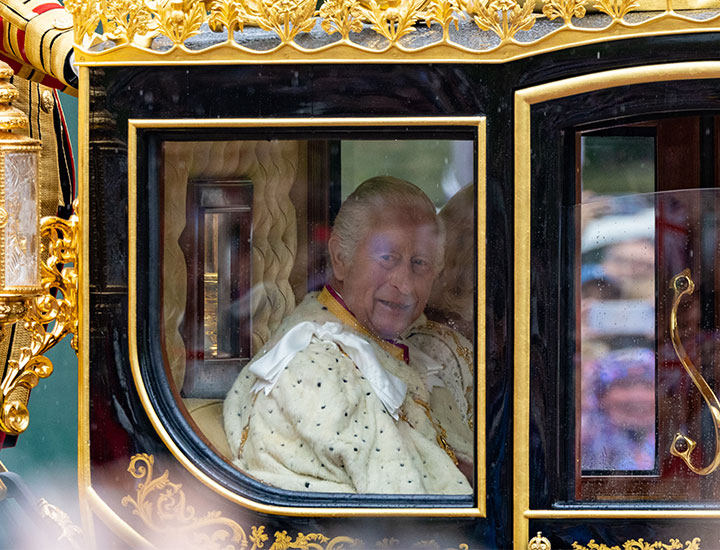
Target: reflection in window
[617, 303]
[246, 252]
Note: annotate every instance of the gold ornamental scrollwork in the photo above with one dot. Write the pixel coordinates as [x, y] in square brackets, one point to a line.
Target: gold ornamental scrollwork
[123, 20]
[226, 14]
[50, 317]
[132, 24]
[446, 14]
[287, 19]
[394, 22]
[641, 544]
[179, 19]
[504, 17]
[162, 506]
[617, 9]
[341, 16]
[566, 9]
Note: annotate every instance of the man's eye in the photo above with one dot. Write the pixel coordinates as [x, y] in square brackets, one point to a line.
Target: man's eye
[421, 264]
[387, 258]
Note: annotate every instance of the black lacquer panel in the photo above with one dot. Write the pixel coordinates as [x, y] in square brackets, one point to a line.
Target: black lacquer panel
[412, 90]
[254, 92]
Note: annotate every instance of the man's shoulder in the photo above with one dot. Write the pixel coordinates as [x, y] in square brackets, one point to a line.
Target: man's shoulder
[432, 333]
[309, 309]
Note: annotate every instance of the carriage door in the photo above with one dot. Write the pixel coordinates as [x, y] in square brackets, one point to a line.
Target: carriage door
[618, 312]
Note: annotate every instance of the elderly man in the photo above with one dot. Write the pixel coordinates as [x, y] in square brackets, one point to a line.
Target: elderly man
[343, 398]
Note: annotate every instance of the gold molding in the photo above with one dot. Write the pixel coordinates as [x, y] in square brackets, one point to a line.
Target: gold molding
[85, 490]
[641, 544]
[94, 504]
[620, 513]
[129, 28]
[476, 123]
[524, 100]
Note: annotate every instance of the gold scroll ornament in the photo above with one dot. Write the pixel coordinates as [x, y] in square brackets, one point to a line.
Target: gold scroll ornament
[165, 510]
[51, 316]
[682, 446]
[641, 544]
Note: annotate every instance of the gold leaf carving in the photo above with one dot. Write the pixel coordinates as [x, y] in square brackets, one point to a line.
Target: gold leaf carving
[343, 16]
[444, 12]
[138, 21]
[124, 19]
[51, 316]
[226, 14]
[86, 17]
[258, 536]
[504, 17]
[641, 544]
[287, 18]
[617, 9]
[396, 21]
[180, 19]
[567, 9]
[161, 505]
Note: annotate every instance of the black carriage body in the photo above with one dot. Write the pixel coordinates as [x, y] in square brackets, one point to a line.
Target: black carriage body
[531, 481]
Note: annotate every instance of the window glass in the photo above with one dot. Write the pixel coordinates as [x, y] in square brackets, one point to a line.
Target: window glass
[617, 303]
[646, 311]
[342, 336]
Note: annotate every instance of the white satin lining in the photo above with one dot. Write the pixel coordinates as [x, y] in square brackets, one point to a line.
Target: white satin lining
[389, 388]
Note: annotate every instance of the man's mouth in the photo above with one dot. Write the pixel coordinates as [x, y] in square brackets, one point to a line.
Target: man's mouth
[397, 306]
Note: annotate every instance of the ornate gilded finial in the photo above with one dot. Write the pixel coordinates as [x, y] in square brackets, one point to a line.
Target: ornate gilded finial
[539, 543]
[11, 118]
[20, 278]
[42, 293]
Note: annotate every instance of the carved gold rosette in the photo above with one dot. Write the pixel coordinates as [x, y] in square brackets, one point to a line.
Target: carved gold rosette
[539, 542]
[346, 29]
[50, 317]
[163, 508]
[642, 544]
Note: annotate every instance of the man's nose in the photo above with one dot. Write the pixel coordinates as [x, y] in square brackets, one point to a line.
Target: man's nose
[401, 277]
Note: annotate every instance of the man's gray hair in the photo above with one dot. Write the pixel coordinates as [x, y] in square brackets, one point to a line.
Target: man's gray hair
[381, 193]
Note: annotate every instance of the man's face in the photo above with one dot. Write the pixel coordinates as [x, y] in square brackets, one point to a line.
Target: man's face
[387, 281]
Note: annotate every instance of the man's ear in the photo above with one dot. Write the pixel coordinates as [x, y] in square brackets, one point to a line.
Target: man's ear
[339, 266]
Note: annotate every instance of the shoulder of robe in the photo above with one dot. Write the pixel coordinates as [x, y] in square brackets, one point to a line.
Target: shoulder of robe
[438, 341]
[321, 369]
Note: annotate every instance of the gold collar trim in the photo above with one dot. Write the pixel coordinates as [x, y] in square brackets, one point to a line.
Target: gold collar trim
[347, 318]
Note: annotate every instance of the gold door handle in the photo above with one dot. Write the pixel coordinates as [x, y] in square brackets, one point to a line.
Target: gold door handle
[682, 446]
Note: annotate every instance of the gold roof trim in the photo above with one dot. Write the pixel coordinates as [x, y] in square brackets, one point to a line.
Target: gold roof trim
[245, 31]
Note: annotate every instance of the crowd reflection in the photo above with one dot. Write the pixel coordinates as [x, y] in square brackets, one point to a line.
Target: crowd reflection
[617, 334]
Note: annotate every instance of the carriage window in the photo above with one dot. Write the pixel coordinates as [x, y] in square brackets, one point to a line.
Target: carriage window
[308, 330]
[646, 310]
[617, 302]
